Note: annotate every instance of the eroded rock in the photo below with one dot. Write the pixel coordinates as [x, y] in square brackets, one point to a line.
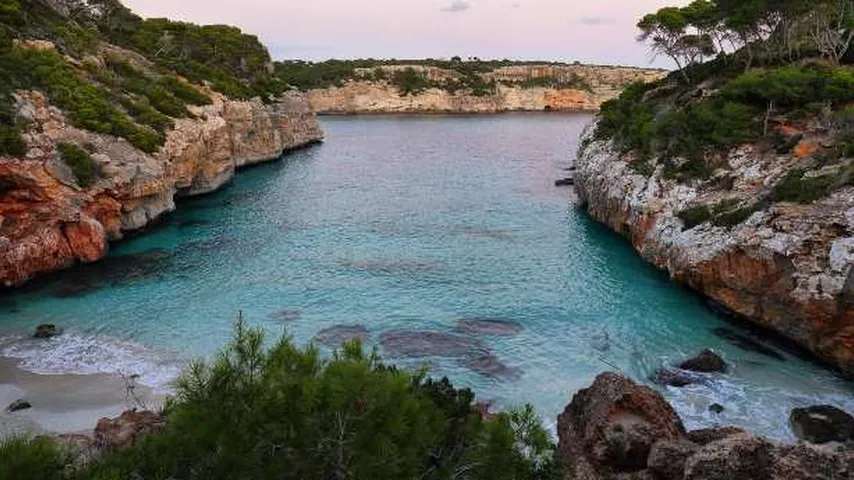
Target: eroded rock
[125, 429]
[612, 425]
[46, 330]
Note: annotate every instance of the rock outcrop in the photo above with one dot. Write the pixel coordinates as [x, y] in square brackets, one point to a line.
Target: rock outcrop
[616, 429]
[511, 94]
[787, 266]
[48, 222]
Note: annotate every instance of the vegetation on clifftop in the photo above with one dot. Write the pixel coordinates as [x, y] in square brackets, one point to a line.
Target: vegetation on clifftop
[779, 69]
[259, 413]
[104, 92]
[470, 75]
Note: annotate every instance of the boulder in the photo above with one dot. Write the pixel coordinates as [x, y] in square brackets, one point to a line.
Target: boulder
[704, 436]
[611, 427]
[706, 361]
[46, 330]
[667, 458]
[822, 424]
[564, 182]
[674, 377]
[739, 456]
[716, 408]
[19, 404]
[125, 429]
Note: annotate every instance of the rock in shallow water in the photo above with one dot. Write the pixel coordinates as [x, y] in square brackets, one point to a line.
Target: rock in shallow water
[490, 366]
[822, 424]
[746, 343]
[488, 326]
[422, 343]
[338, 334]
[17, 405]
[285, 315]
[46, 330]
[675, 377]
[706, 361]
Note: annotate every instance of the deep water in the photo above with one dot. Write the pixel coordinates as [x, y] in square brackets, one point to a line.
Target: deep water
[401, 223]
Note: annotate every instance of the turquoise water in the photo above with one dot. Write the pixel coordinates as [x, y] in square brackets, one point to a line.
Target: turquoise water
[410, 222]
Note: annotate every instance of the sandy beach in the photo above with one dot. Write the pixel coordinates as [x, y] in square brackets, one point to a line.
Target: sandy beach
[62, 403]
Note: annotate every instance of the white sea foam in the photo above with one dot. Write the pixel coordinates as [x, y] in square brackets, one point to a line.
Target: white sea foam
[74, 353]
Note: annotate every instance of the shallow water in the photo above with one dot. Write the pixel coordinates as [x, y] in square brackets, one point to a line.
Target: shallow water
[411, 223]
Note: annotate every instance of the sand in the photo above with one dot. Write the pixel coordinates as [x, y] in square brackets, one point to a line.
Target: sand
[63, 403]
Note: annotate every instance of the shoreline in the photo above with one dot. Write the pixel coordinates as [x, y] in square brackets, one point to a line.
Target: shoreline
[63, 403]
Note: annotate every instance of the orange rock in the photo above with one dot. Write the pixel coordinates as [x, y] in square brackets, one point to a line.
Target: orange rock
[805, 149]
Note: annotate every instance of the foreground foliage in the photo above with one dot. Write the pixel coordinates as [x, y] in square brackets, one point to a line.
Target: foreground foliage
[285, 412]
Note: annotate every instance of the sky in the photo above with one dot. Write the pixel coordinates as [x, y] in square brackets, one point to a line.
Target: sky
[590, 31]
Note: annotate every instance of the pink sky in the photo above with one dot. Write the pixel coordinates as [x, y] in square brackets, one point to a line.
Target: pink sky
[600, 31]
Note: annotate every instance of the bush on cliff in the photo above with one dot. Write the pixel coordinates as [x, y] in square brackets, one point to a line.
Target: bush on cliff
[262, 413]
[79, 161]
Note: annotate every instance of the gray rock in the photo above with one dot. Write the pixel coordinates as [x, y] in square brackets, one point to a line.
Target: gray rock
[46, 330]
[17, 405]
[706, 361]
[822, 424]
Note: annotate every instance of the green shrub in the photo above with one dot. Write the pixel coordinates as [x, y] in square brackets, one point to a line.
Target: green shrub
[735, 216]
[796, 187]
[410, 82]
[38, 458]
[79, 161]
[256, 413]
[694, 216]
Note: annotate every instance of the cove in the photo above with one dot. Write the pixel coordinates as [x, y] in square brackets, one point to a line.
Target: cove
[420, 234]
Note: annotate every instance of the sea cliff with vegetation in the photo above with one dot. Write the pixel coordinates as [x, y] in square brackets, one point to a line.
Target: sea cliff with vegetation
[106, 119]
[457, 85]
[736, 175]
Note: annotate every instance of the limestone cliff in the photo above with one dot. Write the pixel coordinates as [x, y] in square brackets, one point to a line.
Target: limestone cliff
[47, 222]
[576, 88]
[786, 266]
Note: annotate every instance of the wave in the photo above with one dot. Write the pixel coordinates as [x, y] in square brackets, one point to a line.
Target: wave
[74, 353]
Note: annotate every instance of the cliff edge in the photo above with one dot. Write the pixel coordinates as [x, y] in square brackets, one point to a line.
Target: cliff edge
[98, 140]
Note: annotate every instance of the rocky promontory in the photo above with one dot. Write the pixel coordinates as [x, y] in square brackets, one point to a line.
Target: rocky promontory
[48, 222]
[508, 88]
[784, 264]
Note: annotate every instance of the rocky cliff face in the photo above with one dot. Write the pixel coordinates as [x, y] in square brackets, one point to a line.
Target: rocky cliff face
[787, 266]
[370, 96]
[47, 222]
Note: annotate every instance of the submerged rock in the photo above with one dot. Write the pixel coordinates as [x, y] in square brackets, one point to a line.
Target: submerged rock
[706, 361]
[338, 334]
[746, 343]
[488, 326]
[424, 343]
[19, 404]
[490, 366]
[46, 330]
[822, 424]
[285, 315]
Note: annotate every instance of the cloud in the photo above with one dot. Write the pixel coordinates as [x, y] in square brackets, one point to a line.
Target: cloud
[457, 6]
[596, 21]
